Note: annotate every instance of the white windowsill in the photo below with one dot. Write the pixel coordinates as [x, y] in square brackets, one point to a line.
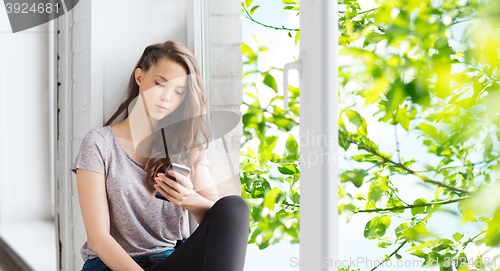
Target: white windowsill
[33, 241]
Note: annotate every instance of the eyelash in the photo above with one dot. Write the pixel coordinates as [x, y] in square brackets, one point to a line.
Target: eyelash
[179, 93]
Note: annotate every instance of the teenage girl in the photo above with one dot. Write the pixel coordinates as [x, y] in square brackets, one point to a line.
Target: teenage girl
[127, 227]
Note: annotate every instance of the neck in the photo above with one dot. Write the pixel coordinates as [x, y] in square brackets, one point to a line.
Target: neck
[141, 125]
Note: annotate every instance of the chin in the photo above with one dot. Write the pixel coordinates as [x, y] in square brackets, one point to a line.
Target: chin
[159, 117]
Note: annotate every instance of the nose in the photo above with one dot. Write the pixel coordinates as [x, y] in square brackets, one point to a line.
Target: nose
[165, 95]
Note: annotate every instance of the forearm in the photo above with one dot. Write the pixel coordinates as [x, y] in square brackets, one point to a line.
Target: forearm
[197, 205]
[113, 255]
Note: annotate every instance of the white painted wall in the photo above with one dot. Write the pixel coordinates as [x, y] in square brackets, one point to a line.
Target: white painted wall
[26, 183]
[25, 188]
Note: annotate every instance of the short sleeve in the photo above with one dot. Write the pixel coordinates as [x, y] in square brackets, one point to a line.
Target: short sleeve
[92, 153]
[204, 160]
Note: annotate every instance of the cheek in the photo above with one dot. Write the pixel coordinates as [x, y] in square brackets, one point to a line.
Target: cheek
[152, 94]
[180, 100]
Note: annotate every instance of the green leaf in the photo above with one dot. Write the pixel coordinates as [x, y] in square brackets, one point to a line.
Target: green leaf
[248, 3]
[395, 96]
[401, 230]
[488, 147]
[297, 37]
[251, 153]
[457, 236]
[377, 227]
[267, 145]
[376, 189]
[417, 232]
[248, 52]
[270, 198]
[418, 92]
[439, 190]
[292, 147]
[258, 192]
[395, 203]
[356, 119]
[402, 118]
[287, 169]
[366, 157]
[270, 82]
[295, 197]
[429, 130]
[253, 10]
[355, 176]
[418, 210]
[264, 157]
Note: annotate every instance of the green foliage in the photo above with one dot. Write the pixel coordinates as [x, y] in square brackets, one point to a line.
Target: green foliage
[429, 67]
[408, 68]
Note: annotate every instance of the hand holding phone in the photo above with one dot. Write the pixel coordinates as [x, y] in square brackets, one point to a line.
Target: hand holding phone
[180, 169]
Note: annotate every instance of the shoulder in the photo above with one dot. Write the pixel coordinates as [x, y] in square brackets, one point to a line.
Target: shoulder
[100, 134]
[94, 151]
[97, 137]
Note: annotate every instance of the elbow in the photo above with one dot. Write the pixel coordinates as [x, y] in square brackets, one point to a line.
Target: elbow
[95, 241]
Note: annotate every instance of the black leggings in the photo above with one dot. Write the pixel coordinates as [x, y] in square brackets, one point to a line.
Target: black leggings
[219, 243]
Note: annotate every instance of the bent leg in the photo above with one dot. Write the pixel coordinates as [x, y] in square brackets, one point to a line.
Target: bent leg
[219, 243]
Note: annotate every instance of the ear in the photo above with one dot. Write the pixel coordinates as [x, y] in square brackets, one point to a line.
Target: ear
[138, 76]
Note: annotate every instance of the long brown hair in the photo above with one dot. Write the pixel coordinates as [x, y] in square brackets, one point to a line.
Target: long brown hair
[182, 136]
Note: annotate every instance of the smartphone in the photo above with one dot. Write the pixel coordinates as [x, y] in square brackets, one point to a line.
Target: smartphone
[178, 169]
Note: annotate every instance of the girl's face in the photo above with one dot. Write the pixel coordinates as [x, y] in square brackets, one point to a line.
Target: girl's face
[163, 86]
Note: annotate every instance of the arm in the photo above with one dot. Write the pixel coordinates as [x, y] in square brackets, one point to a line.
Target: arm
[94, 206]
[204, 194]
[188, 196]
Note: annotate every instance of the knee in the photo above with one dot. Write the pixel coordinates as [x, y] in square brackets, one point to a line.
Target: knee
[233, 204]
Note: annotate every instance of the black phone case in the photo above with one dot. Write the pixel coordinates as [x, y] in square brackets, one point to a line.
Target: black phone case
[177, 168]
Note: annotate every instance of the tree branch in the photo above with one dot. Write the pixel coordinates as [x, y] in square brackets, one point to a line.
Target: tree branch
[412, 206]
[472, 239]
[390, 255]
[464, 165]
[397, 143]
[398, 165]
[248, 16]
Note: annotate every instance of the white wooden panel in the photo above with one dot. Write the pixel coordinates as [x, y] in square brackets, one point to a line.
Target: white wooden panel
[319, 111]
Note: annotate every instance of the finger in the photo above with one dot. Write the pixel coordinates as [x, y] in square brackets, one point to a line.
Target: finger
[166, 194]
[167, 180]
[171, 183]
[177, 177]
[180, 189]
[183, 181]
[166, 185]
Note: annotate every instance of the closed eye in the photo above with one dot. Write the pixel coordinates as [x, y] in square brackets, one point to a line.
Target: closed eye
[179, 93]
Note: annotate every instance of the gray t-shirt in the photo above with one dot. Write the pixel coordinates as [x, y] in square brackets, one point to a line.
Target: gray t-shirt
[141, 223]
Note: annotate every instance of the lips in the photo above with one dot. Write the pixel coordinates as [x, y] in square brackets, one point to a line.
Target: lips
[161, 108]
